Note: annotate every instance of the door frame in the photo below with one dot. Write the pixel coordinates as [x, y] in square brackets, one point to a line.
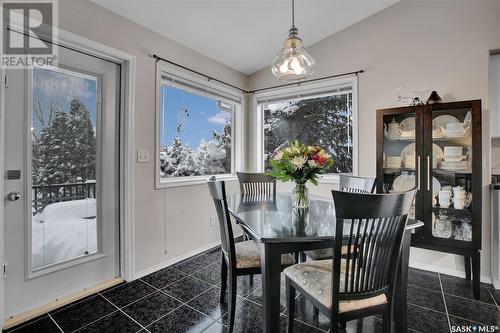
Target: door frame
[127, 63]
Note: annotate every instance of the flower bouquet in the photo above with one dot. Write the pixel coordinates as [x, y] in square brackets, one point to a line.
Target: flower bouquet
[300, 163]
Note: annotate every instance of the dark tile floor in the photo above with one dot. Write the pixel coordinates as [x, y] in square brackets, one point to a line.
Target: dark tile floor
[185, 298]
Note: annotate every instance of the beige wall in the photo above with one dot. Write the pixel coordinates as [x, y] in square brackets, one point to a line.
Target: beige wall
[421, 45]
[176, 220]
[495, 156]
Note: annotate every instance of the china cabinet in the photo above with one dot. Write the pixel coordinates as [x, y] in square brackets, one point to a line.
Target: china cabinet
[437, 149]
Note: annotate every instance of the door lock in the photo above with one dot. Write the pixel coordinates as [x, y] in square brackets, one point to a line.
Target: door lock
[14, 196]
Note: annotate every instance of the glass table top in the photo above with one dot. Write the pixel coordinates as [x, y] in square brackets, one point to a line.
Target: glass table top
[273, 219]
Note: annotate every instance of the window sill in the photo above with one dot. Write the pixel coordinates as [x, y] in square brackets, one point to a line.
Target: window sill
[191, 181]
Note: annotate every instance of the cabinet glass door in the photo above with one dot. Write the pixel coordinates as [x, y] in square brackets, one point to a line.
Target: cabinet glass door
[400, 161]
[449, 184]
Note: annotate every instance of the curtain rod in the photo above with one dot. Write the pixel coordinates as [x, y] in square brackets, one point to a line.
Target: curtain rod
[211, 78]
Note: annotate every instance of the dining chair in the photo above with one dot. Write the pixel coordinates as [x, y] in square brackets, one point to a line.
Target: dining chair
[347, 183]
[361, 282]
[238, 259]
[256, 183]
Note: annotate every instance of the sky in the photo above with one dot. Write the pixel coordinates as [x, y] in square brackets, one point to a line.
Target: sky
[189, 116]
[61, 87]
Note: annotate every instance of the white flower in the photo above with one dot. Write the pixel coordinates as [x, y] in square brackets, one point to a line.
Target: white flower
[312, 163]
[278, 156]
[299, 161]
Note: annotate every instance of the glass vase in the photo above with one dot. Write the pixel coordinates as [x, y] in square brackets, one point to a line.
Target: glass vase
[300, 195]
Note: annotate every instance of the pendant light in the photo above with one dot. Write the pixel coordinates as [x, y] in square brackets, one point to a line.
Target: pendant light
[293, 62]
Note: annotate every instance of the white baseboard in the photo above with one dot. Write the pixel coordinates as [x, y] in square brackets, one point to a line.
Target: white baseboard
[452, 272]
[496, 283]
[175, 260]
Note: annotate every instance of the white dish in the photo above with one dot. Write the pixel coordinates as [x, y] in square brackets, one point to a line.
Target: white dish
[409, 150]
[405, 183]
[454, 158]
[443, 121]
[408, 124]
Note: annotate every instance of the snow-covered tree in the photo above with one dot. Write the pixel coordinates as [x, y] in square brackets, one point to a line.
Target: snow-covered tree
[178, 160]
[84, 154]
[67, 147]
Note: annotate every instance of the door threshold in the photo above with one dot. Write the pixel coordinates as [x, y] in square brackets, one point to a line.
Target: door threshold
[43, 309]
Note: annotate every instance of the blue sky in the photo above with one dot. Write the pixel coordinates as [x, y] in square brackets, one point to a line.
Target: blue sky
[50, 85]
[189, 116]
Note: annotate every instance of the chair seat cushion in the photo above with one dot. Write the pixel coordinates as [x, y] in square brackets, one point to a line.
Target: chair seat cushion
[315, 277]
[248, 255]
[326, 253]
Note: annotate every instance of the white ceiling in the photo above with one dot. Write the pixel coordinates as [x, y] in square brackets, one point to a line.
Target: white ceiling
[243, 34]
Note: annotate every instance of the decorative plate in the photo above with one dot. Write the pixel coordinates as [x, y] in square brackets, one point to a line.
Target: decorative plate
[409, 150]
[442, 121]
[408, 124]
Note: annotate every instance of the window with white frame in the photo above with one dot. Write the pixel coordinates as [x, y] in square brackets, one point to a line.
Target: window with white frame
[196, 125]
[323, 115]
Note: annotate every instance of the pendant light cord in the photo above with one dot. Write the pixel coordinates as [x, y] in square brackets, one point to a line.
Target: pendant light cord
[293, 13]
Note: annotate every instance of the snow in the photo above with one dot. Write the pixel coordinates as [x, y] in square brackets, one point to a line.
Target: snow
[63, 231]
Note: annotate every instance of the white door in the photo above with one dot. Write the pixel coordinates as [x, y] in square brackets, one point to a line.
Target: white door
[61, 162]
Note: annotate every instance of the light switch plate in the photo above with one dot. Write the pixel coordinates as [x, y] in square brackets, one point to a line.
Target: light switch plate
[143, 156]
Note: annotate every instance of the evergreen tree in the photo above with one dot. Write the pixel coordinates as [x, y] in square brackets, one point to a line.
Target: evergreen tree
[84, 156]
[67, 148]
[178, 160]
[325, 121]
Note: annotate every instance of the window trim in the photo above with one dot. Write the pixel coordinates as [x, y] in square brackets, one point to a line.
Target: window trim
[237, 130]
[317, 88]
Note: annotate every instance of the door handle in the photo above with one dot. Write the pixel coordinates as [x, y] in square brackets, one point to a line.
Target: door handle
[14, 196]
[418, 173]
[428, 173]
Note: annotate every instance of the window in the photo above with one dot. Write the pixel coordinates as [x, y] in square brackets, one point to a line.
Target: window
[196, 129]
[324, 116]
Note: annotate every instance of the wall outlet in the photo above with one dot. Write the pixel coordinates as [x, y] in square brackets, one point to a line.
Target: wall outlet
[212, 220]
[143, 156]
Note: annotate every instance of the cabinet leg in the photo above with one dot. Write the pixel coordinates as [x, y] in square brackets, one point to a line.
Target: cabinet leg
[476, 274]
[467, 268]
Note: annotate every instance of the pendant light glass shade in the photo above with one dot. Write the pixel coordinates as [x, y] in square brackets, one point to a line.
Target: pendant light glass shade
[293, 62]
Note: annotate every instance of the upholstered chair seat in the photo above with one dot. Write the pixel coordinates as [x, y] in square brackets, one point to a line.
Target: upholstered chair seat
[325, 253]
[315, 277]
[248, 255]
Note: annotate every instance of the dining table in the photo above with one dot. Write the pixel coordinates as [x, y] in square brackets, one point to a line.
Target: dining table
[279, 228]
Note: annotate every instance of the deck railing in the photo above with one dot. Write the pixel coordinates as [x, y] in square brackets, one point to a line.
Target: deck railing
[44, 195]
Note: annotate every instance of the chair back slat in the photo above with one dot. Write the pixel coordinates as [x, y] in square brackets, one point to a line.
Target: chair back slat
[217, 190]
[256, 183]
[372, 227]
[355, 184]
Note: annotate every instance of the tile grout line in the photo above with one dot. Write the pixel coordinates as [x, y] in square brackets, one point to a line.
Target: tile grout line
[444, 300]
[125, 313]
[181, 304]
[93, 321]
[474, 321]
[494, 300]
[55, 322]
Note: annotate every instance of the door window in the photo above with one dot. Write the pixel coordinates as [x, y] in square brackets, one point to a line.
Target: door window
[64, 140]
